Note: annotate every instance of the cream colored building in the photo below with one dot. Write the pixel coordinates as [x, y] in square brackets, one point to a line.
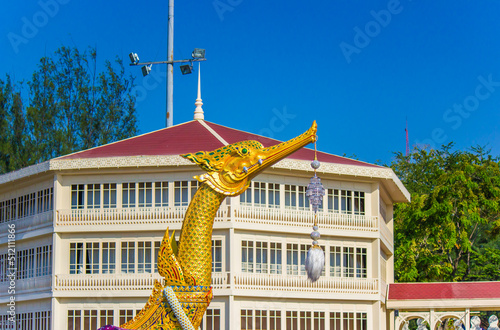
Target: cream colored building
[88, 227]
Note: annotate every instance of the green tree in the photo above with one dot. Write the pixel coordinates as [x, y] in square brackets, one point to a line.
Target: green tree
[71, 106]
[446, 232]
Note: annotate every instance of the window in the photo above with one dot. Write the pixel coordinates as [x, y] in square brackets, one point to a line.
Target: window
[292, 320]
[108, 257]
[128, 194]
[26, 206]
[292, 259]
[335, 261]
[181, 193]
[144, 257]
[109, 195]
[303, 200]
[76, 258]
[361, 321]
[128, 257]
[25, 263]
[194, 187]
[261, 257]
[295, 197]
[8, 210]
[261, 320]
[259, 193]
[247, 256]
[274, 320]
[274, 195]
[42, 320]
[106, 317]
[348, 321]
[44, 260]
[361, 263]
[305, 321]
[348, 262]
[217, 255]
[346, 201]
[4, 265]
[90, 319]
[161, 194]
[359, 202]
[290, 196]
[45, 200]
[74, 319]
[77, 196]
[319, 320]
[212, 319]
[335, 321]
[92, 258]
[246, 197]
[126, 315]
[145, 194]
[25, 321]
[93, 196]
[246, 319]
[275, 260]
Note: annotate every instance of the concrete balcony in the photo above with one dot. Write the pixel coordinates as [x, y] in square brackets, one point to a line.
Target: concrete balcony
[26, 286]
[223, 283]
[299, 284]
[27, 224]
[304, 219]
[150, 216]
[241, 216]
[118, 284]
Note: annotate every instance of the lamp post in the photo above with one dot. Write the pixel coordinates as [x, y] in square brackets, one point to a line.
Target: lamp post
[197, 55]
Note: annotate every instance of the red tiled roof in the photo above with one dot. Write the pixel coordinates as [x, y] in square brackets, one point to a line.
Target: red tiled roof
[192, 137]
[440, 291]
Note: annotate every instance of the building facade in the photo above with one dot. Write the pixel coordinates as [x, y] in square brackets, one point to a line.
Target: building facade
[85, 230]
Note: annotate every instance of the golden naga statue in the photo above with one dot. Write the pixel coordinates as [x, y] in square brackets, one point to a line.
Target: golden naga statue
[187, 268]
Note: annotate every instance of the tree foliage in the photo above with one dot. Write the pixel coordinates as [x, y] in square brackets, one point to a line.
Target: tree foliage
[449, 231]
[71, 106]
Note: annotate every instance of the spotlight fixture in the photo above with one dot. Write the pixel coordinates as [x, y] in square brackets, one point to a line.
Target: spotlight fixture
[186, 68]
[198, 53]
[134, 58]
[146, 69]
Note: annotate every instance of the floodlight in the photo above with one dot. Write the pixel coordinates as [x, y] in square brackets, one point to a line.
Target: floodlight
[198, 53]
[146, 69]
[134, 58]
[186, 68]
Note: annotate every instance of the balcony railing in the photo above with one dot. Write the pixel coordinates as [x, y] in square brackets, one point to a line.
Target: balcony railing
[386, 233]
[304, 218]
[81, 282]
[120, 216]
[241, 214]
[32, 284]
[30, 222]
[267, 282]
[287, 283]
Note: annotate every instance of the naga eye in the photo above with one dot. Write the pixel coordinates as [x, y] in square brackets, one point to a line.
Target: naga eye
[244, 151]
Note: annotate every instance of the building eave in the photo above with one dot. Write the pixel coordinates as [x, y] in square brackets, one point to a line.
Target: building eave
[397, 190]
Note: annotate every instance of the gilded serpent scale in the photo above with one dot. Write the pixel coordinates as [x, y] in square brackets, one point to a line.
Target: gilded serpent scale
[187, 268]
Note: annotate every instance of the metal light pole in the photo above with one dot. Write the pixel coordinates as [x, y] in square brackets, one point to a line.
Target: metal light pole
[197, 55]
[170, 66]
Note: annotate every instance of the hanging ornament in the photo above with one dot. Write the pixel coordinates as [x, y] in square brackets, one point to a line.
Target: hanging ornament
[315, 261]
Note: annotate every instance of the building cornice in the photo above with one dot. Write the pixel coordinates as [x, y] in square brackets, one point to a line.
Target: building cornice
[384, 173]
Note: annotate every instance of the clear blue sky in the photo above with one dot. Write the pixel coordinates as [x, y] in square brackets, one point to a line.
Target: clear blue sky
[359, 68]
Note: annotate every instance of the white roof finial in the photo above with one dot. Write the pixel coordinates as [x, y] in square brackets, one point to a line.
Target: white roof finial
[198, 112]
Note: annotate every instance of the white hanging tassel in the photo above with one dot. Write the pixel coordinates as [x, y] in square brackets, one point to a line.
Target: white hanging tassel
[315, 262]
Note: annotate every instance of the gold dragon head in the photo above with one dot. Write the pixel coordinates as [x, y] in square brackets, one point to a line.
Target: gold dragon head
[231, 168]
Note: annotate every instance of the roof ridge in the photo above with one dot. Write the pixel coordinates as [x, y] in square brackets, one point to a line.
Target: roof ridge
[213, 132]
